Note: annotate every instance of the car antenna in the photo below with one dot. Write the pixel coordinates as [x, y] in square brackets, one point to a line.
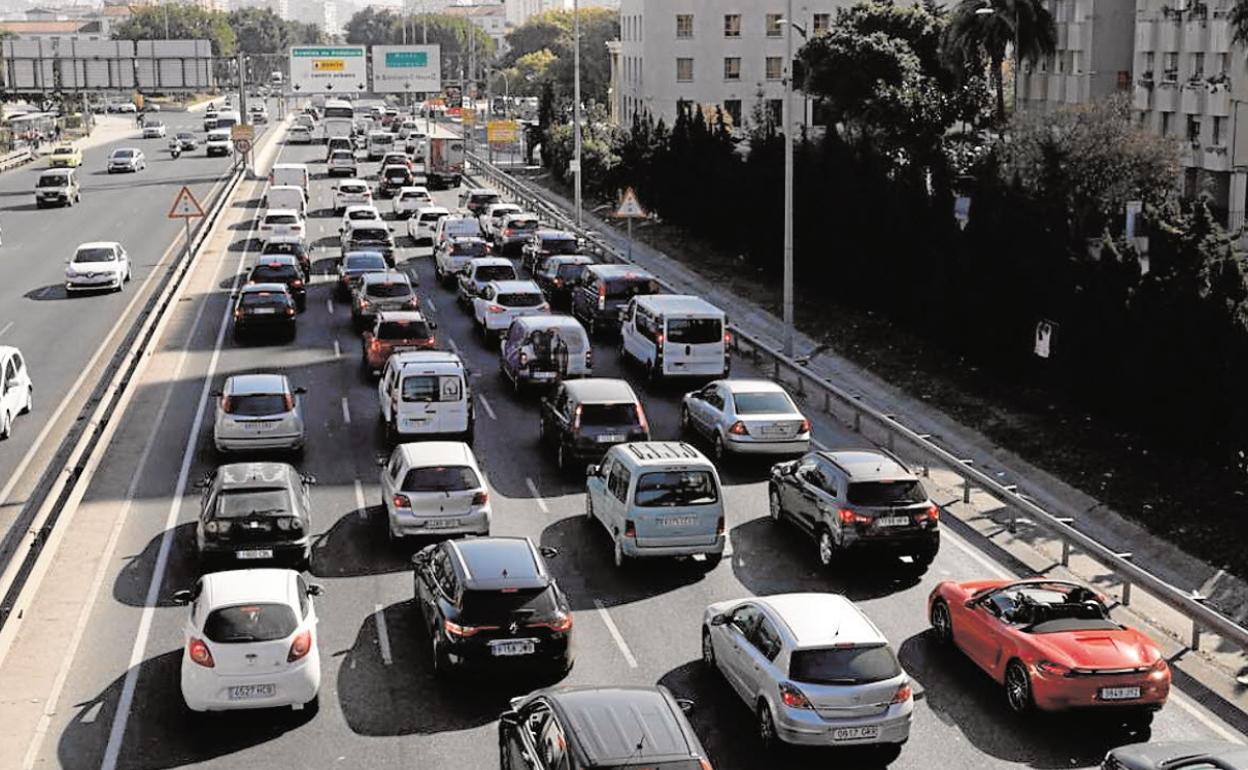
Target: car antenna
[641, 744]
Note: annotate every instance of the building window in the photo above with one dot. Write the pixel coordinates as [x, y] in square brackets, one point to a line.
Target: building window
[684, 70]
[774, 27]
[684, 25]
[732, 112]
[1219, 132]
[775, 68]
[1170, 66]
[732, 25]
[1223, 62]
[1193, 129]
[732, 68]
[1150, 62]
[823, 22]
[775, 110]
[1167, 124]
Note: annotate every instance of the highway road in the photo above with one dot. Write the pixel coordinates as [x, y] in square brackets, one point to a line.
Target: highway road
[60, 335]
[115, 701]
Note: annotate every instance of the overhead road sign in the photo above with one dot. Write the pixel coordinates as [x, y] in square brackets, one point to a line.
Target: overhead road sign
[185, 206]
[318, 69]
[401, 69]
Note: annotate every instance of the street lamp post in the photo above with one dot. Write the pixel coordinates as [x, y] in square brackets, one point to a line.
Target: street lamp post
[576, 103]
[787, 116]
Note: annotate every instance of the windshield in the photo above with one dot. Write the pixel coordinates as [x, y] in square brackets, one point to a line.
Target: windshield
[570, 272]
[250, 623]
[483, 199]
[403, 330]
[262, 299]
[853, 665]
[95, 255]
[497, 607]
[365, 262]
[520, 300]
[362, 214]
[630, 287]
[695, 331]
[251, 501]
[255, 405]
[675, 488]
[610, 415]
[370, 234]
[496, 273]
[872, 493]
[453, 478]
[123, 153]
[762, 403]
[392, 289]
[432, 387]
[275, 273]
[53, 180]
[559, 245]
[382, 139]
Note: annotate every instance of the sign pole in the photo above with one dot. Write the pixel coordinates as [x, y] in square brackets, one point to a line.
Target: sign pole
[630, 239]
[187, 221]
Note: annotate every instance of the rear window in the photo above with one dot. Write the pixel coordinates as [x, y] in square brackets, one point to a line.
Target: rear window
[274, 273]
[523, 225]
[570, 272]
[262, 299]
[362, 214]
[871, 493]
[695, 331]
[256, 405]
[432, 387]
[469, 249]
[370, 234]
[762, 403]
[354, 189]
[675, 488]
[520, 300]
[610, 415]
[631, 287]
[283, 247]
[851, 665]
[498, 607]
[463, 227]
[281, 219]
[369, 262]
[496, 273]
[239, 503]
[395, 289]
[403, 330]
[559, 245]
[451, 478]
[250, 623]
[484, 199]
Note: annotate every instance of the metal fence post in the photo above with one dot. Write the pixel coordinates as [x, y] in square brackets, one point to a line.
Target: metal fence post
[1126, 584]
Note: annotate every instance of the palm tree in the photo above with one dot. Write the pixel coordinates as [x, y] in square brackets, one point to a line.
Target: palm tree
[988, 27]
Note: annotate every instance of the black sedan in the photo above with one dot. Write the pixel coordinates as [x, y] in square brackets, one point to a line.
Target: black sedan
[284, 269]
[264, 307]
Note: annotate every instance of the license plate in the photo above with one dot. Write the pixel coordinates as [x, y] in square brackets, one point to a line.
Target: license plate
[252, 691]
[542, 375]
[258, 553]
[506, 649]
[264, 311]
[678, 521]
[1119, 693]
[443, 523]
[893, 521]
[855, 733]
[259, 427]
[772, 430]
[608, 438]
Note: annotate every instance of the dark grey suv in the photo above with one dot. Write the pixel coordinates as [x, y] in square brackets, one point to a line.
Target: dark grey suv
[254, 514]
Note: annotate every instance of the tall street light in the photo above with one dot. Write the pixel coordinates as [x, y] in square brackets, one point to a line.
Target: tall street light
[787, 117]
[576, 102]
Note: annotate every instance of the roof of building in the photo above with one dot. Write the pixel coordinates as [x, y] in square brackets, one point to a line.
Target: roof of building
[64, 27]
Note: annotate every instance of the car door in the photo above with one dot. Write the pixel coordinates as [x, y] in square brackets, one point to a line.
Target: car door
[628, 332]
[616, 500]
[481, 302]
[124, 268]
[712, 410]
[385, 388]
[798, 494]
[735, 634]
[978, 631]
[757, 655]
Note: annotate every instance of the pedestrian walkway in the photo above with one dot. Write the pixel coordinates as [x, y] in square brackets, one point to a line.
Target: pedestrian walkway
[108, 129]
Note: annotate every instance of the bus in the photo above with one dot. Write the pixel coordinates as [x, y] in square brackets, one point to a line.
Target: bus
[337, 119]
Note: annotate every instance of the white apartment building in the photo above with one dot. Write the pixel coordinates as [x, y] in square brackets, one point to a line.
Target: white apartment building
[490, 18]
[706, 52]
[519, 11]
[1093, 58]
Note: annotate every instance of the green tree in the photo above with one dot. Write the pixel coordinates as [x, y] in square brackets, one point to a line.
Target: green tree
[371, 27]
[1239, 21]
[526, 76]
[182, 22]
[259, 30]
[979, 28]
[553, 31]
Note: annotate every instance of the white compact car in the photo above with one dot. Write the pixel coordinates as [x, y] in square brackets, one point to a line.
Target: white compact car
[97, 265]
[17, 392]
[250, 641]
[154, 130]
[258, 412]
[299, 135]
[408, 199]
[126, 159]
[435, 487]
[360, 216]
[285, 222]
[351, 193]
[502, 302]
[423, 222]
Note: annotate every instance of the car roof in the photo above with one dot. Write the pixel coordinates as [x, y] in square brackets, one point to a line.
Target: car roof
[99, 245]
[520, 215]
[267, 260]
[622, 271]
[664, 453]
[608, 721]
[427, 358]
[400, 315]
[487, 261]
[436, 210]
[251, 384]
[867, 465]
[822, 619]
[550, 232]
[495, 563]
[353, 182]
[570, 259]
[413, 188]
[254, 474]
[512, 287]
[600, 390]
[300, 166]
[678, 303]
[425, 453]
[361, 207]
[285, 187]
[256, 288]
[271, 212]
[289, 240]
[480, 191]
[750, 386]
[551, 321]
[389, 276]
[238, 586]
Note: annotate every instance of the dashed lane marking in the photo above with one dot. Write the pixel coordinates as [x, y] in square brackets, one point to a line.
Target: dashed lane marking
[537, 496]
[337, 350]
[346, 411]
[615, 634]
[488, 409]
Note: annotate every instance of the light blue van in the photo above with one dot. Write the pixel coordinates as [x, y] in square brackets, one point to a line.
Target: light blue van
[658, 498]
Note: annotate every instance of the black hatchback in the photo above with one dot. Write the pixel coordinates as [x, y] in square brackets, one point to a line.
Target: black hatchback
[489, 604]
[293, 246]
[254, 514]
[284, 269]
[264, 307]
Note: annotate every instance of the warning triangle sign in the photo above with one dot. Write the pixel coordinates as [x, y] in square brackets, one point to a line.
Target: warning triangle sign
[630, 206]
[185, 206]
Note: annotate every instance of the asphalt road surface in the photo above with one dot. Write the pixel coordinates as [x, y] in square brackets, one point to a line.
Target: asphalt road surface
[380, 705]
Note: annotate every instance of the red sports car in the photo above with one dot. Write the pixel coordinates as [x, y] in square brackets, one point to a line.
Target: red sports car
[1053, 645]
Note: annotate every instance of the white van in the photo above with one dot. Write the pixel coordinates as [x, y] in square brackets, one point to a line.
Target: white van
[379, 143]
[425, 393]
[289, 173]
[675, 335]
[219, 142]
[287, 196]
[227, 118]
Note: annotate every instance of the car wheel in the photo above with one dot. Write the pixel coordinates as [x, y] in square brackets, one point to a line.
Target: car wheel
[392, 432]
[541, 431]
[766, 726]
[561, 459]
[589, 507]
[827, 548]
[6, 426]
[718, 450]
[438, 660]
[942, 622]
[888, 753]
[775, 507]
[708, 649]
[1017, 688]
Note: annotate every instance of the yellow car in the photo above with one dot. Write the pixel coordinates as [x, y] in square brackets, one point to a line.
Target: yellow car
[65, 156]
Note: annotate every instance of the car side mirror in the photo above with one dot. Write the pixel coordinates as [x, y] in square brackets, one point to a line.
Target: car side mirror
[382, 460]
[315, 589]
[215, 394]
[686, 705]
[183, 597]
[969, 604]
[509, 718]
[308, 478]
[301, 390]
[592, 471]
[548, 551]
[203, 482]
[433, 324]
[719, 620]
[419, 558]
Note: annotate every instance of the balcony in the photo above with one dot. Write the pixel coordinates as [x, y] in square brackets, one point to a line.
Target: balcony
[1218, 102]
[1076, 36]
[1195, 35]
[1167, 35]
[1192, 100]
[1216, 159]
[1145, 35]
[1219, 36]
[1036, 86]
[1166, 97]
[1190, 155]
[1143, 98]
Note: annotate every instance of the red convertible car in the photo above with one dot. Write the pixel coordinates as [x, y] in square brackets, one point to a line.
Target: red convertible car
[1053, 645]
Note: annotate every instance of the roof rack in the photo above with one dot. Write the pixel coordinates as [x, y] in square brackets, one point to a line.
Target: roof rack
[664, 450]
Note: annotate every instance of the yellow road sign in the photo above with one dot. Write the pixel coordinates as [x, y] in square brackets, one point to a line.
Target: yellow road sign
[469, 116]
[242, 131]
[328, 65]
[501, 132]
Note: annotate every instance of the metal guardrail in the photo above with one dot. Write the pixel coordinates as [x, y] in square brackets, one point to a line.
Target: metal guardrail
[837, 401]
[16, 158]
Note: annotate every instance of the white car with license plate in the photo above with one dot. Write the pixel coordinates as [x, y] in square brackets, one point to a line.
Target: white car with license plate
[126, 159]
[97, 265]
[435, 487]
[258, 412]
[502, 302]
[351, 193]
[424, 222]
[250, 641]
[360, 216]
[155, 130]
[299, 135]
[746, 417]
[408, 199]
[285, 222]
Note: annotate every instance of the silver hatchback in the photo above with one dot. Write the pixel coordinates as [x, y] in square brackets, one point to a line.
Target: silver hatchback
[258, 412]
[815, 670]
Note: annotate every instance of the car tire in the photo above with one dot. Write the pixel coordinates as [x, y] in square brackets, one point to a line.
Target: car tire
[826, 551]
[1018, 688]
[941, 622]
[6, 426]
[561, 459]
[766, 726]
[392, 432]
[589, 508]
[708, 649]
[437, 659]
[718, 452]
[774, 506]
[888, 753]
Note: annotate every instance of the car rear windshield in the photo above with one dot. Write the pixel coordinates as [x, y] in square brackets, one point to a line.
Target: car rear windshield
[463, 227]
[762, 403]
[369, 234]
[520, 300]
[398, 173]
[250, 623]
[281, 219]
[631, 287]
[448, 478]
[281, 247]
[469, 249]
[262, 299]
[695, 331]
[384, 290]
[352, 189]
[366, 262]
[343, 155]
[610, 415]
[432, 387]
[559, 245]
[847, 665]
[255, 405]
[362, 214]
[53, 180]
[570, 272]
[674, 488]
[902, 492]
[403, 330]
[496, 273]
[274, 273]
[95, 255]
[500, 607]
[483, 199]
[252, 501]
[523, 225]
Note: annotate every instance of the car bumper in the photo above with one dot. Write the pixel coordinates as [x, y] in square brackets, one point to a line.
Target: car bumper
[404, 524]
[284, 324]
[284, 552]
[205, 690]
[630, 547]
[255, 441]
[126, 167]
[805, 727]
[52, 197]
[1059, 693]
[746, 445]
[900, 542]
[550, 656]
[218, 151]
[92, 284]
[408, 427]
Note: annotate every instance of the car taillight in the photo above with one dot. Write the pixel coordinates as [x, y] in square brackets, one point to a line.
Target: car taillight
[495, 308]
[793, 697]
[300, 647]
[199, 653]
[290, 311]
[524, 359]
[364, 303]
[903, 694]
[849, 517]
[576, 417]
[374, 344]
[738, 429]
[602, 297]
[296, 283]
[719, 526]
[296, 227]
[238, 313]
[1053, 669]
[630, 528]
[481, 498]
[558, 282]
[456, 630]
[414, 302]
[704, 764]
[727, 337]
[561, 624]
[507, 232]
[805, 427]
[932, 513]
[401, 501]
[641, 418]
[658, 341]
[226, 404]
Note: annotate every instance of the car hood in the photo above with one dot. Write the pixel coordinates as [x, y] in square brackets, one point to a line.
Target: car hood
[1120, 648]
[124, 161]
[94, 267]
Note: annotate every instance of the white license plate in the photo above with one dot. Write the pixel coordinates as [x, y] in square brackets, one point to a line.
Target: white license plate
[258, 553]
[855, 733]
[506, 649]
[264, 311]
[259, 427]
[542, 375]
[252, 691]
[678, 521]
[893, 521]
[608, 438]
[772, 430]
[1119, 693]
[443, 524]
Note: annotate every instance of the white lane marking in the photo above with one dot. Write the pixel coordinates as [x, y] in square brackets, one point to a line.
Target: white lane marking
[488, 409]
[7, 326]
[106, 561]
[432, 307]
[537, 496]
[337, 350]
[615, 634]
[329, 305]
[383, 637]
[360, 505]
[346, 411]
[122, 716]
[451, 343]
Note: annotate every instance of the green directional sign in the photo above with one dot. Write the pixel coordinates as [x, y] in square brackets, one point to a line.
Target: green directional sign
[407, 59]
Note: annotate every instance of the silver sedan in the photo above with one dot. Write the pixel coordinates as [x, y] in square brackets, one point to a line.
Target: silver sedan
[258, 412]
[746, 417]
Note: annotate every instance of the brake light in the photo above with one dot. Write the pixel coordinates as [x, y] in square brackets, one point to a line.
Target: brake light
[659, 340]
[226, 404]
[461, 632]
[561, 624]
[576, 417]
[903, 694]
[641, 418]
[401, 501]
[238, 313]
[727, 337]
[524, 359]
[374, 344]
[849, 517]
[1053, 669]
[414, 302]
[719, 526]
[558, 282]
[507, 232]
[704, 764]
[481, 498]
[290, 311]
[495, 308]
[300, 647]
[931, 514]
[364, 302]
[602, 296]
[738, 429]
[793, 697]
[199, 653]
[296, 283]
[805, 427]
[630, 528]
